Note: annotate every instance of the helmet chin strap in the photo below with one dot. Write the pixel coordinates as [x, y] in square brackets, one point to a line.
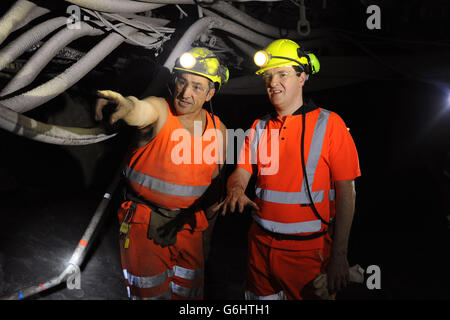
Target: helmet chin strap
[219, 151]
[169, 89]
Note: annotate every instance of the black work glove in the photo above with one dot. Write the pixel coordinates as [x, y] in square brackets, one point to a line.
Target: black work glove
[163, 229]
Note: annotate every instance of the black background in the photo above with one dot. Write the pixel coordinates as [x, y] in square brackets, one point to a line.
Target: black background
[400, 125]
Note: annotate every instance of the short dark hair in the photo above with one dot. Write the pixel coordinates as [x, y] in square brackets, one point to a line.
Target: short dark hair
[298, 70]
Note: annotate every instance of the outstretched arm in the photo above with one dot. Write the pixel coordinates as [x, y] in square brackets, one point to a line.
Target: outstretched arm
[135, 112]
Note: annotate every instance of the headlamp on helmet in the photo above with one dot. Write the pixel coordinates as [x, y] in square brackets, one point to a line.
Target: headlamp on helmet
[187, 60]
[284, 52]
[203, 62]
[261, 58]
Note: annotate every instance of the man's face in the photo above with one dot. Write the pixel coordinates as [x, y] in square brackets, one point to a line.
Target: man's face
[191, 92]
[283, 86]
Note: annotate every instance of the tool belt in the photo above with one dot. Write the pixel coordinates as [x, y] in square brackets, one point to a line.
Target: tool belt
[164, 223]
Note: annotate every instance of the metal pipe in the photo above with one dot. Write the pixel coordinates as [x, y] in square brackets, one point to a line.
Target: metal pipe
[14, 49]
[81, 249]
[27, 292]
[79, 252]
[44, 55]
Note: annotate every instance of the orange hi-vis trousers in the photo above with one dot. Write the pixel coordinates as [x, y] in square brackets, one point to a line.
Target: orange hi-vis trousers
[279, 274]
[152, 272]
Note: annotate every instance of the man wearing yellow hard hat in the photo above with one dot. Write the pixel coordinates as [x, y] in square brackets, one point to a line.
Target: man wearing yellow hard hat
[163, 214]
[293, 212]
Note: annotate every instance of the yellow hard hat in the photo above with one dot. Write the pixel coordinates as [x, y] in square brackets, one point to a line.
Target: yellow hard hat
[285, 52]
[203, 62]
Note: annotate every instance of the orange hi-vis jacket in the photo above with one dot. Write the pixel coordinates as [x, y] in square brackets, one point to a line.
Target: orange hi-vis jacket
[272, 150]
[170, 171]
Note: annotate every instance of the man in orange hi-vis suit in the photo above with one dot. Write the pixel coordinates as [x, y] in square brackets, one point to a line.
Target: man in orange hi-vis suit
[313, 162]
[168, 177]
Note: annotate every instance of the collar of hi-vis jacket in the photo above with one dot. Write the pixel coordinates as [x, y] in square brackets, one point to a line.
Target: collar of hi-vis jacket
[308, 106]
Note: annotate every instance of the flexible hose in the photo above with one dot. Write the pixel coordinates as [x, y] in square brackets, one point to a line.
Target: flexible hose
[197, 28]
[14, 49]
[45, 54]
[204, 24]
[34, 13]
[156, 22]
[242, 45]
[132, 40]
[47, 91]
[257, 25]
[26, 127]
[116, 6]
[13, 17]
[139, 24]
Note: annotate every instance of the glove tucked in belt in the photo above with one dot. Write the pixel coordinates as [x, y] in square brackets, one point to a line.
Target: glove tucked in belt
[165, 224]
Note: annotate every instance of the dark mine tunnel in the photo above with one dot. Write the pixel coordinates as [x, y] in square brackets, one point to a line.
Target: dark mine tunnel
[390, 84]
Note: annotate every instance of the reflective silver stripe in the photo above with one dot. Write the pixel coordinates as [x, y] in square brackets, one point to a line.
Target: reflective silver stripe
[177, 289]
[313, 159]
[288, 228]
[149, 282]
[187, 292]
[276, 296]
[259, 129]
[293, 197]
[165, 296]
[159, 279]
[189, 274]
[288, 197]
[332, 195]
[162, 186]
[315, 148]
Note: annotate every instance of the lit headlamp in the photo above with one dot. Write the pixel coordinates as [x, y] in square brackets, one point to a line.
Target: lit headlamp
[261, 58]
[203, 62]
[187, 60]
